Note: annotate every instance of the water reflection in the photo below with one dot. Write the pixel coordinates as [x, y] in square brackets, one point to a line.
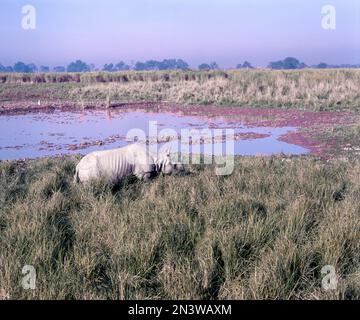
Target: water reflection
[48, 134]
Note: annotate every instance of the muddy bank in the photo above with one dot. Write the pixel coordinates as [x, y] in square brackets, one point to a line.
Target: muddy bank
[273, 117]
[24, 107]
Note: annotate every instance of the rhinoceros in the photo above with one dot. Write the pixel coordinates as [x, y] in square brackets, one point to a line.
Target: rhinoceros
[115, 164]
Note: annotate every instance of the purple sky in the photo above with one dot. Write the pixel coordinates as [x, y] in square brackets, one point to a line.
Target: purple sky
[226, 31]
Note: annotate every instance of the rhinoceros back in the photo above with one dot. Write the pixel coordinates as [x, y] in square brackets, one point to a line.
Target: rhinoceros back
[115, 164]
[111, 165]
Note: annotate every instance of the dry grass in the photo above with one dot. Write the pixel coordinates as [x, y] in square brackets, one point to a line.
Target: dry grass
[304, 89]
[264, 232]
[310, 89]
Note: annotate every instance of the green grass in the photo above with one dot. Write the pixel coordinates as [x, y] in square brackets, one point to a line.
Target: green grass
[263, 232]
[305, 89]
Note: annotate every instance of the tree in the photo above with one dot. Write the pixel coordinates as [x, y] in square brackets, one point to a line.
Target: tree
[148, 65]
[245, 65]
[44, 69]
[6, 69]
[181, 64]
[322, 65]
[204, 66]
[59, 69]
[173, 64]
[166, 64]
[214, 65]
[140, 66]
[287, 63]
[211, 66]
[122, 66]
[32, 67]
[276, 65]
[292, 63]
[108, 67]
[78, 66]
[21, 67]
[9, 69]
[152, 65]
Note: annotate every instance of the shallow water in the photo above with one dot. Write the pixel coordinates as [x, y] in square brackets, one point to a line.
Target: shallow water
[54, 133]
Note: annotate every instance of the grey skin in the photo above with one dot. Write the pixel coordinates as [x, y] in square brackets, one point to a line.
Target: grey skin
[113, 165]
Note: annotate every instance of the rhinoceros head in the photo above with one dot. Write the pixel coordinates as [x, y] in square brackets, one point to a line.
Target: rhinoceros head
[165, 165]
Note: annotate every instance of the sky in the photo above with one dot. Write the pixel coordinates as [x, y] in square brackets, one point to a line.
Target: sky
[225, 31]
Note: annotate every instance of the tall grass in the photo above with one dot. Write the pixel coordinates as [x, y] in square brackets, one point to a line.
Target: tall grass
[264, 232]
[310, 90]
[124, 76]
[305, 89]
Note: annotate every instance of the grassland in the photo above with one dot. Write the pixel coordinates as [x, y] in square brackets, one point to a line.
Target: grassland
[305, 89]
[265, 232]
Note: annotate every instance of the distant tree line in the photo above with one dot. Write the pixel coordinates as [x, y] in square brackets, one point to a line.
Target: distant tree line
[81, 66]
[167, 64]
[324, 65]
[288, 63]
[291, 63]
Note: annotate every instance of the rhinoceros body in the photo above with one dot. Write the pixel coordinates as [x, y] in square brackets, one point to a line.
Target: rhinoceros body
[116, 164]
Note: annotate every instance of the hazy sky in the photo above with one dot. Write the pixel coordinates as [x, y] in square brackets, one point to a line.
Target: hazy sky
[226, 31]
